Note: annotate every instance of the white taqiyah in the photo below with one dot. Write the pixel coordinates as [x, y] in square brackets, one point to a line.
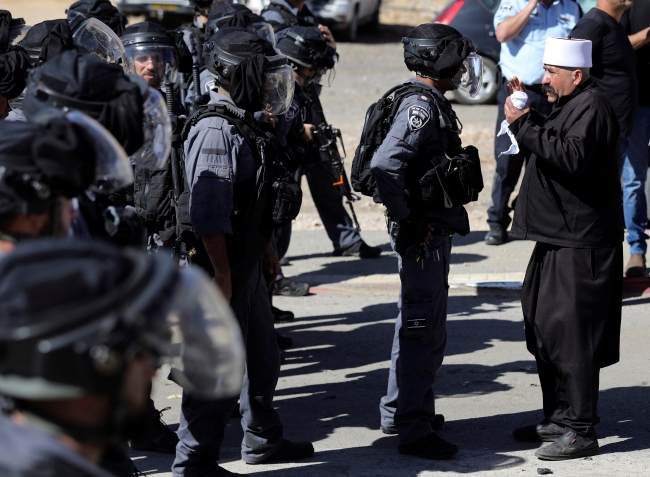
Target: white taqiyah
[568, 53]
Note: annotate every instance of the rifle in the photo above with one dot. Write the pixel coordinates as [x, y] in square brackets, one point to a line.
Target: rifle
[326, 137]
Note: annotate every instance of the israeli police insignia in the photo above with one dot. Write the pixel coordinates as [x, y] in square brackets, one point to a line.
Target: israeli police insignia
[293, 110]
[418, 117]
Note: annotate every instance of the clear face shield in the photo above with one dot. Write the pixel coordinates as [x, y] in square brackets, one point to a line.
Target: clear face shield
[263, 30]
[157, 64]
[157, 133]
[113, 170]
[470, 75]
[201, 339]
[278, 89]
[99, 40]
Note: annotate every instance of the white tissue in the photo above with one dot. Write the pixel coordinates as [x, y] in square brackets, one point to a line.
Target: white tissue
[519, 99]
[514, 148]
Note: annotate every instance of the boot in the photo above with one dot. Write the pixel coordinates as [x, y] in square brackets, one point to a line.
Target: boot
[636, 266]
[570, 446]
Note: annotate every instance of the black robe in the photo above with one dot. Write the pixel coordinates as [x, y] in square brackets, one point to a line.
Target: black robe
[571, 198]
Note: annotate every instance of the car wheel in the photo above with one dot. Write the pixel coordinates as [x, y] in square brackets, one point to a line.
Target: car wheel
[489, 89]
[350, 33]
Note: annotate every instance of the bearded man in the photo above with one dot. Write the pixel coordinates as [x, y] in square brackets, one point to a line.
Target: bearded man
[569, 203]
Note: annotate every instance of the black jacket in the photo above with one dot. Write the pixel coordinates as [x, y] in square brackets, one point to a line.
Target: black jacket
[570, 195]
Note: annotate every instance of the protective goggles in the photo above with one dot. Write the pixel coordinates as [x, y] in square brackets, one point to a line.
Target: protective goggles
[99, 40]
[157, 130]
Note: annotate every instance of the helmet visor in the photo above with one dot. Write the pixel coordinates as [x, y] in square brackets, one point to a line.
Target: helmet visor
[263, 30]
[158, 64]
[157, 133]
[470, 76]
[99, 40]
[278, 89]
[206, 350]
[113, 170]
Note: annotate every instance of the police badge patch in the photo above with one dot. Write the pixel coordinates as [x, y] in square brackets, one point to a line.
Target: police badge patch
[293, 109]
[418, 117]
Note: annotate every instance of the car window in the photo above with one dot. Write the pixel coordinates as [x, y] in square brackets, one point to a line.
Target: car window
[587, 5]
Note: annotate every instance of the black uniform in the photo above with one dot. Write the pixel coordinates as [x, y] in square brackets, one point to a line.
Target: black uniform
[570, 204]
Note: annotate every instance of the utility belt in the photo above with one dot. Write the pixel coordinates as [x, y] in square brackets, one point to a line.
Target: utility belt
[405, 234]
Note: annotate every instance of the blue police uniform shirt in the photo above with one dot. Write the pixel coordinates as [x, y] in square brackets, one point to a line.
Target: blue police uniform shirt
[414, 129]
[522, 56]
[216, 158]
[291, 120]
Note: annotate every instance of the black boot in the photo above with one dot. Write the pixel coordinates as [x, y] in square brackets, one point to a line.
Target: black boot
[438, 422]
[159, 437]
[570, 446]
[496, 236]
[545, 431]
[359, 249]
[289, 451]
[430, 447]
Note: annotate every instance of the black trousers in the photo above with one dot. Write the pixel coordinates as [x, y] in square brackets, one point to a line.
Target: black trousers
[571, 300]
[509, 166]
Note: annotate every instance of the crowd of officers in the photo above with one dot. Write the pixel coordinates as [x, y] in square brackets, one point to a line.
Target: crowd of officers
[192, 144]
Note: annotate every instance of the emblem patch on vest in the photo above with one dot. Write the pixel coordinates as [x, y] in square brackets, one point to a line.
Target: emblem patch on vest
[293, 109]
[418, 117]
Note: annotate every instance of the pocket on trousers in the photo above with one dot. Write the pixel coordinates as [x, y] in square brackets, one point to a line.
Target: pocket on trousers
[417, 318]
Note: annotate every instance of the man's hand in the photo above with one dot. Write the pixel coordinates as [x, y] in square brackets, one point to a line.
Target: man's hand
[308, 135]
[428, 238]
[512, 112]
[640, 38]
[515, 85]
[329, 38]
[270, 265]
[270, 118]
[215, 245]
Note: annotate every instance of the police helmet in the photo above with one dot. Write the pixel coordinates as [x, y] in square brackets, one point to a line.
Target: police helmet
[258, 77]
[150, 52]
[74, 314]
[18, 30]
[57, 154]
[47, 39]
[102, 10]
[231, 15]
[448, 52]
[79, 81]
[306, 46]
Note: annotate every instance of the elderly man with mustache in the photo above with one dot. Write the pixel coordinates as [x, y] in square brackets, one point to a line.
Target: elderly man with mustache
[570, 205]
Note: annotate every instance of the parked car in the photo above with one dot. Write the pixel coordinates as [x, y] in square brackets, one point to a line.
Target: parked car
[346, 16]
[474, 19]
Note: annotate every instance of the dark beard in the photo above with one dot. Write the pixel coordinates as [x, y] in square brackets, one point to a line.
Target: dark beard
[547, 88]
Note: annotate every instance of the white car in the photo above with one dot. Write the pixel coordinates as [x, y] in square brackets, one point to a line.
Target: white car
[345, 16]
[155, 8]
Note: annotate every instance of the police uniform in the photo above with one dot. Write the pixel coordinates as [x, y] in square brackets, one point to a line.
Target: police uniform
[522, 57]
[217, 160]
[420, 330]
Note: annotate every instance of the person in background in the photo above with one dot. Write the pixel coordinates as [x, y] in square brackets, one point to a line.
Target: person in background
[522, 27]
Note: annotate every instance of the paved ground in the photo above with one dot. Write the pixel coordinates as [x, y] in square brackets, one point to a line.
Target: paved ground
[333, 379]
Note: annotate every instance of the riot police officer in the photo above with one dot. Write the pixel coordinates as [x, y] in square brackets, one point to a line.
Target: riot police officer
[44, 165]
[231, 220]
[422, 220]
[78, 362]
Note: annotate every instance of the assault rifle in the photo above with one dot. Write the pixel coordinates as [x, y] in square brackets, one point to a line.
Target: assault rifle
[326, 138]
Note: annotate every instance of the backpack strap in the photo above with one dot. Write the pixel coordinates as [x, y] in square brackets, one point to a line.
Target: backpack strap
[406, 89]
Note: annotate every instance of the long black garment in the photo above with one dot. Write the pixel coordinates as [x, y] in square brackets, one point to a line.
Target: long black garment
[571, 300]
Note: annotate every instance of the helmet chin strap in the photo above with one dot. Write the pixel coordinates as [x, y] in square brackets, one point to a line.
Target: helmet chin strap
[307, 79]
[447, 81]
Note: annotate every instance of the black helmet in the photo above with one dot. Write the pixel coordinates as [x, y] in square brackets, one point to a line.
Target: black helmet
[14, 60]
[306, 46]
[246, 64]
[74, 314]
[47, 39]
[56, 156]
[205, 6]
[448, 52]
[79, 81]
[102, 10]
[238, 15]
